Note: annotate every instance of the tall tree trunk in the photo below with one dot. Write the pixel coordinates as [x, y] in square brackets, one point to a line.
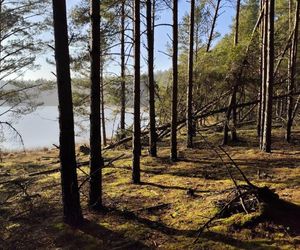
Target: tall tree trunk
[70, 194]
[260, 95]
[189, 118]
[236, 41]
[237, 22]
[150, 40]
[104, 139]
[175, 83]
[292, 73]
[123, 82]
[264, 71]
[137, 75]
[210, 38]
[266, 146]
[96, 161]
[232, 101]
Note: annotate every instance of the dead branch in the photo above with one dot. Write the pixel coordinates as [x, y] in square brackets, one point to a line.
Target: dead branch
[201, 230]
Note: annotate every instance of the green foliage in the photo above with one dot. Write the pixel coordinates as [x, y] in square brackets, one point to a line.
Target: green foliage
[21, 23]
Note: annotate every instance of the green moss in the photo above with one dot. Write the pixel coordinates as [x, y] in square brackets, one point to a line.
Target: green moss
[160, 212]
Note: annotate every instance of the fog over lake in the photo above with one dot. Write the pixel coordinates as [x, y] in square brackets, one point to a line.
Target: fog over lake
[41, 128]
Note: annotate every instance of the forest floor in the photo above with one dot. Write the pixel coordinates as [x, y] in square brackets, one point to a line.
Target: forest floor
[165, 211]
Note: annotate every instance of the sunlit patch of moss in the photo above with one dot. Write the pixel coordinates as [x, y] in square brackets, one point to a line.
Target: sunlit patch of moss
[219, 228]
[49, 178]
[240, 219]
[59, 226]
[13, 226]
[127, 228]
[167, 184]
[75, 239]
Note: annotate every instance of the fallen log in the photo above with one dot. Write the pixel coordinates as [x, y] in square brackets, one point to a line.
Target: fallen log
[200, 114]
[55, 170]
[161, 129]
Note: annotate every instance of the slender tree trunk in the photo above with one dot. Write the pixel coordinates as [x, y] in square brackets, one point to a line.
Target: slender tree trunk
[189, 117]
[258, 125]
[237, 22]
[289, 83]
[104, 139]
[236, 41]
[264, 71]
[210, 38]
[96, 161]
[137, 74]
[259, 97]
[150, 40]
[232, 102]
[266, 146]
[70, 194]
[292, 73]
[123, 82]
[175, 83]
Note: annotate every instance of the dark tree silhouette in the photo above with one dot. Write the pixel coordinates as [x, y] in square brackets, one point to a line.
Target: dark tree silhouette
[136, 147]
[189, 118]
[236, 41]
[70, 194]
[292, 72]
[151, 83]
[175, 83]
[123, 82]
[96, 161]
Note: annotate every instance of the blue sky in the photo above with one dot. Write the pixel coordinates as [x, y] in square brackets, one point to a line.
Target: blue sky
[162, 62]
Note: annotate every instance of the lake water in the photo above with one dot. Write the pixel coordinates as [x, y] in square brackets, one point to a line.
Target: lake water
[41, 129]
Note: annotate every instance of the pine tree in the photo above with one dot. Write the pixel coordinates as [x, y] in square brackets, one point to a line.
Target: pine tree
[189, 119]
[175, 83]
[151, 83]
[136, 146]
[70, 193]
[96, 162]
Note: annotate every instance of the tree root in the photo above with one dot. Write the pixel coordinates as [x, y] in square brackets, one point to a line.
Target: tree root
[271, 207]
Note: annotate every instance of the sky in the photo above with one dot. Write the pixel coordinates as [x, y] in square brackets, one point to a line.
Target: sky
[162, 61]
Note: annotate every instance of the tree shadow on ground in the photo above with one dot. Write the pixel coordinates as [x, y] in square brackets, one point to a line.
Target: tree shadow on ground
[110, 239]
[240, 244]
[164, 187]
[175, 187]
[192, 234]
[155, 225]
[284, 213]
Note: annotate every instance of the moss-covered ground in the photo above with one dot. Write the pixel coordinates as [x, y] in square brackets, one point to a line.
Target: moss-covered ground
[159, 213]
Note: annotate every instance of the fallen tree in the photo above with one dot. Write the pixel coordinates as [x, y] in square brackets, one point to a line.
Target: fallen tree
[249, 197]
[22, 179]
[162, 130]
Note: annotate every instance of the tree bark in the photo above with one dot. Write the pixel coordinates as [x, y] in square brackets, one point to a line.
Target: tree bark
[237, 22]
[232, 101]
[175, 83]
[190, 80]
[123, 82]
[236, 41]
[266, 145]
[70, 195]
[104, 139]
[136, 149]
[264, 70]
[96, 161]
[151, 83]
[210, 38]
[292, 74]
